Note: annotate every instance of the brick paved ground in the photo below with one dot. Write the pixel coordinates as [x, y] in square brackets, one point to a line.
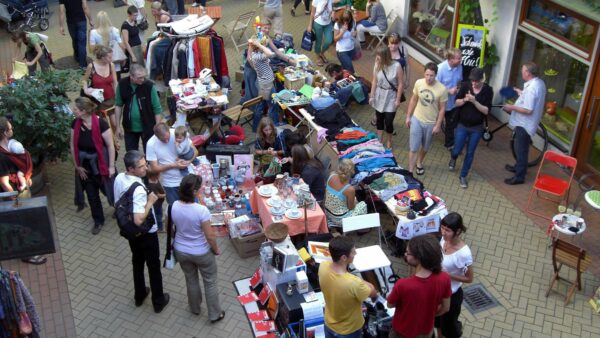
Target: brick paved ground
[85, 290]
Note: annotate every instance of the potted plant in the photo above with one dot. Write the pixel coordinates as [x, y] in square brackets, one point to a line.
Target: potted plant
[36, 109]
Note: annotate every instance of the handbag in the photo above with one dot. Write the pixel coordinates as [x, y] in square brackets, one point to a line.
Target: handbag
[25, 327]
[143, 24]
[402, 98]
[308, 39]
[170, 260]
[357, 51]
[98, 94]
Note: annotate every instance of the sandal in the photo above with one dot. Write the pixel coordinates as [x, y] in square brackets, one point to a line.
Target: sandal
[35, 260]
[420, 171]
[320, 61]
[221, 316]
[322, 56]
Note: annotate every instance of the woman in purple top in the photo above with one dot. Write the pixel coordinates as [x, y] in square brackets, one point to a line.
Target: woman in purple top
[195, 247]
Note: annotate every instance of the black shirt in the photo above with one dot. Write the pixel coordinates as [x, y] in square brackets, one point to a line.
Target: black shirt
[7, 167]
[468, 114]
[85, 136]
[73, 10]
[134, 33]
[313, 176]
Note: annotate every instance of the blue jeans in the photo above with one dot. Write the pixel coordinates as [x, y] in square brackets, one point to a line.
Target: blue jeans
[172, 194]
[78, 33]
[331, 334]
[172, 6]
[272, 111]
[346, 60]
[471, 139]
[522, 140]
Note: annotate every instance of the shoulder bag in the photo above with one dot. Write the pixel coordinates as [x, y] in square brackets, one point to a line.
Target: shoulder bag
[402, 98]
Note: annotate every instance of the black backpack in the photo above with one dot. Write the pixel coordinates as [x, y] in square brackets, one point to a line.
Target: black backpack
[124, 215]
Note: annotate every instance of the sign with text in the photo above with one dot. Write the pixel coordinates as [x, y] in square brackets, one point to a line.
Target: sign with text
[471, 41]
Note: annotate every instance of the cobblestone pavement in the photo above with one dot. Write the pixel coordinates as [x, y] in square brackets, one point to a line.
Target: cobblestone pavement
[93, 295]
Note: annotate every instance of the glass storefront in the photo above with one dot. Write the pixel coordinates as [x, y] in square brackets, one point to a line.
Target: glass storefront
[565, 79]
[430, 24]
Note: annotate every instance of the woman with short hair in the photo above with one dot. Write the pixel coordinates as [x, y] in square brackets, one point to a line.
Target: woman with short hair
[130, 33]
[195, 247]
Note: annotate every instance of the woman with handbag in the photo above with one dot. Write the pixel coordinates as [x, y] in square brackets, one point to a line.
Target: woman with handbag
[93, 156]
[101, 74]
[386, 93]
[105, 34]
[130, 33]
[195, 247]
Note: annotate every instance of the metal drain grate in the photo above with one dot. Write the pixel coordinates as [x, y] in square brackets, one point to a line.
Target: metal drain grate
[478, 299]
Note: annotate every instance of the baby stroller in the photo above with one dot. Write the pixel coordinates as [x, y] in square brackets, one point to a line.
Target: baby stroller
[24, 14]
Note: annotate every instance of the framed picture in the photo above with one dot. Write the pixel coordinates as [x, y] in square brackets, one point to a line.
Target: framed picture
[243, 165]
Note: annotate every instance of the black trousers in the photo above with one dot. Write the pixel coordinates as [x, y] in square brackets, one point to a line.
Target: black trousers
[448, 322]
[132, 140]
[306, 4]
[144, 250]
[451, 117]
[92, 187]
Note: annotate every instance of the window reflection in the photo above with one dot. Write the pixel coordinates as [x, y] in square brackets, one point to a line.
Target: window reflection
[561, 22]
[431, 24]
[564, 78]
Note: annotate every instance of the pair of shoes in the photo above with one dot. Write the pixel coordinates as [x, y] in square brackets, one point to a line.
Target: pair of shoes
[510, 168]
[513, 181]
[139, 302]
[195, 4]
[307, 12]
[320, 62]
[420, 171]
[158, 309]
[293, 11]
[35, 260]
[221, 316]
[96, 229]
[80, 207]
[463, 182]
[451, 164]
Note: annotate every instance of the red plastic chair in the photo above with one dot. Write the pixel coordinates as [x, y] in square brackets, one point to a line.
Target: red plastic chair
[551, 184]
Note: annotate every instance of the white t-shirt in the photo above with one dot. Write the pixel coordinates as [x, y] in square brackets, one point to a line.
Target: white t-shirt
[323, 9]
[113, 36]
[165, 153]
[346, 43]
[457, 263]
[189, 237]
[122, 183]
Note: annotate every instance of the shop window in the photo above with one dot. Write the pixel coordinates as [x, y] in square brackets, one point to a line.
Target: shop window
[564, 77]
[568, 26]
[431, 24]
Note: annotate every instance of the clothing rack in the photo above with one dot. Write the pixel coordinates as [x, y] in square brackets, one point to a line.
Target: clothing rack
[18, 315]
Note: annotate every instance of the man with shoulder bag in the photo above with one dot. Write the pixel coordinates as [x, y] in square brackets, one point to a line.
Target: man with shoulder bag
[143, 242]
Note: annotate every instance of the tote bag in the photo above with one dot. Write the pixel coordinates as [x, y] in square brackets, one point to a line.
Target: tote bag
[307, 41]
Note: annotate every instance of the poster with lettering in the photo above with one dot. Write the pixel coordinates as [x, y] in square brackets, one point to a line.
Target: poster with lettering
[471, 41]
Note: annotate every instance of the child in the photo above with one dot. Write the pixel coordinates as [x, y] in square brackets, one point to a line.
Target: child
[184, 147]
[16, 147]
[157, 188]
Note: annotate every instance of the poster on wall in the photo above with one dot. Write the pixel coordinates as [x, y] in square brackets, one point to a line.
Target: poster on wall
[471, 41]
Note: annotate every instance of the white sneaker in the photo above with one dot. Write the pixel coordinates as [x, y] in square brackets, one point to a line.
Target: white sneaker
[195, 4]
[463, 183]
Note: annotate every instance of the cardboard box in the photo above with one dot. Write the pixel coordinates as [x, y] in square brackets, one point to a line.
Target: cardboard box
[248, 246]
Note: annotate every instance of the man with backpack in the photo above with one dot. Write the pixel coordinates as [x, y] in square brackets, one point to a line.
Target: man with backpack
[133, 198]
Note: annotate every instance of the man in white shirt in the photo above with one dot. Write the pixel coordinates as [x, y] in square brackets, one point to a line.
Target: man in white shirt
[144, 249]
[161, 153]
[525, 116]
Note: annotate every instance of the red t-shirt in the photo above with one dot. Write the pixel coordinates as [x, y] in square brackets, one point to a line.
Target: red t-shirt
[417, 300]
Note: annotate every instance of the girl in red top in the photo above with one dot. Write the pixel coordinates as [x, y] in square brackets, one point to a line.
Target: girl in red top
[101, 75]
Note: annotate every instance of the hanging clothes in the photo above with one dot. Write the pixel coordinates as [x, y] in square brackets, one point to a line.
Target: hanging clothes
[18, 314]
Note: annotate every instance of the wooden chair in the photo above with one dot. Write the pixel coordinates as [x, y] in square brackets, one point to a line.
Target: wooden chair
[564, 253]
[239, 27]
[243, 111]
[550, 183]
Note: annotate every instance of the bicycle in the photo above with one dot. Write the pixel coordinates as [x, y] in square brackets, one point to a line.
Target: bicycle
[534, 159]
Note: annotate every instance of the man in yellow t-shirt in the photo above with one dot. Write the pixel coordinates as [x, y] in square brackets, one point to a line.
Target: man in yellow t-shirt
[428, 103]
[343, 292]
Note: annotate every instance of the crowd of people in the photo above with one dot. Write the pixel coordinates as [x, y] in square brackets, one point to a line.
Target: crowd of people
[431, 297]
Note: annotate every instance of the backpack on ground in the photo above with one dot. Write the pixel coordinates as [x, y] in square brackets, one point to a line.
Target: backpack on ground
[124, 215]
